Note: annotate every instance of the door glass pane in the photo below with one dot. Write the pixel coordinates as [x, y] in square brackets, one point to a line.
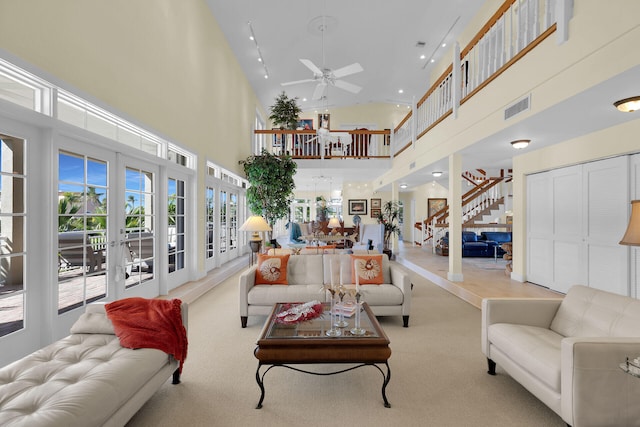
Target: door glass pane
[82, 228]
[209, 215]
[140, 226]
[176, 231]
[233, 221]
[12, 234]
[223, 222]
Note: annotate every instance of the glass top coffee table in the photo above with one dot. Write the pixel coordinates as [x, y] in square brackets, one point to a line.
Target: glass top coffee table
[307, 343]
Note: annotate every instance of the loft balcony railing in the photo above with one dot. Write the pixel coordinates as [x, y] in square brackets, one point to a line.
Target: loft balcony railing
[311, 144]
[516, 28]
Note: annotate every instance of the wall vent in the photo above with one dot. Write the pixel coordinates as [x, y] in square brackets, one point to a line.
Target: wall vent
[517, 108]
[412, 165]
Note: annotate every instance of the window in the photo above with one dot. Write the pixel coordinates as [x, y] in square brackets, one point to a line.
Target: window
[12, 234]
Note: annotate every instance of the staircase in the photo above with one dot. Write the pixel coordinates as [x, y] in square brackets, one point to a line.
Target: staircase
[480, 205]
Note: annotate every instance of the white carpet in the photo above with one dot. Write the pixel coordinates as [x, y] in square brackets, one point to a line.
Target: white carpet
[438, 375]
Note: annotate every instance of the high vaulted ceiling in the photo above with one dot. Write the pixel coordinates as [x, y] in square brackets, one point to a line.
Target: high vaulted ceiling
[380, 35]
[384, 38]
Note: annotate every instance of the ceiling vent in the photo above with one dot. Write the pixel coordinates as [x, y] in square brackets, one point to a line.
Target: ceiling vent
[514, 109]
[420, 44]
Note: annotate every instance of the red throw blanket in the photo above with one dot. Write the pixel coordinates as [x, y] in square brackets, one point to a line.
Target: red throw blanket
[150, 323]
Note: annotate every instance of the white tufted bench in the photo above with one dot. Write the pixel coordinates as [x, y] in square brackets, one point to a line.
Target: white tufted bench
[85, 379]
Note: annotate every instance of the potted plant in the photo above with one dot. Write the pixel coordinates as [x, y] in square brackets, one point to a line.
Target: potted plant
[285, 112]
[271, 185]
[390, 217]
[322, 209]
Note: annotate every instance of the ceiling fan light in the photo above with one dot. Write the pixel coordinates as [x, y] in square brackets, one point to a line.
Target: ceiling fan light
[628, 105]
[436, 174]
[519, 144]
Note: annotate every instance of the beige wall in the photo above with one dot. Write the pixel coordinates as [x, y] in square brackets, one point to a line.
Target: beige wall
[384, 116]
[164, 63]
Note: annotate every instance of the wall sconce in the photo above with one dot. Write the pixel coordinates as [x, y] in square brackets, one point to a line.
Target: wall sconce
[436, 174]
[628, 105]
[632, 235]
[519, 144]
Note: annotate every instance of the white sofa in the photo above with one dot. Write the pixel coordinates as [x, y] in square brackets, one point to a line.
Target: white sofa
[567, 352]
[86, 379]
[307, 274]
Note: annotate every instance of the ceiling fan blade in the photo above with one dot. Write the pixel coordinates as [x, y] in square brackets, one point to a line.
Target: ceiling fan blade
[310, 65]
[349, 87]
[297, 82]
[319, 91]
[348, 70]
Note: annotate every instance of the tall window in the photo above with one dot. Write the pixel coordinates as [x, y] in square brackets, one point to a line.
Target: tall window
[210, 221]
[12, 234]
[82, 227]
[223, 222]
[176, 216]
[140, 225]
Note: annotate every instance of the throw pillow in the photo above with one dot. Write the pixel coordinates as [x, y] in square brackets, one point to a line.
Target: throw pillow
[368, 268]
[272, 269]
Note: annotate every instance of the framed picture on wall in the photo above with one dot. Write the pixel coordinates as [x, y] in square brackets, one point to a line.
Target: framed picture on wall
[357, 206]
[375, 212]
[305, 124]
[435, 205]
[376, 204]
[326, 118]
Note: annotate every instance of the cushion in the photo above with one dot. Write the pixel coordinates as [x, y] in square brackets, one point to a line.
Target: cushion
[93, 323]
[589, 312]
[368, 268]
[272, 269]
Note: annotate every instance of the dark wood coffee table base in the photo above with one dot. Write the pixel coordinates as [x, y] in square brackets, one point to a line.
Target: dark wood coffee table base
[308, 343]
[386, 377]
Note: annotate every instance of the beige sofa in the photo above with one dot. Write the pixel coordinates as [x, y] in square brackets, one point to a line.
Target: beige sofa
[567, 352]
[307, 274]
[86, 379]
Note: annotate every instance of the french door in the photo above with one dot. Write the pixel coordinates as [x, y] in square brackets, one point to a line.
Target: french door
[228, 224]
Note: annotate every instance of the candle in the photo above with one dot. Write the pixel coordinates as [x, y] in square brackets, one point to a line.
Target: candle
[331, 273]
[341, 283]
[355, 266]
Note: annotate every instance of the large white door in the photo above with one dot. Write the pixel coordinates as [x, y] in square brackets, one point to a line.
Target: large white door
[84, 259]
[138, 234]
[179, 244]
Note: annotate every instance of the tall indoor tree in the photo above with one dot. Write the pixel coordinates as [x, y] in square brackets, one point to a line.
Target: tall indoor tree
[270, 192]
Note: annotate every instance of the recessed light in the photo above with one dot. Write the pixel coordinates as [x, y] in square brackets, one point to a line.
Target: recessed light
[400, 91]
[266, 76]
[423, 56]
[436, 173]
[433, 60]
[444, 45]
[259, 59]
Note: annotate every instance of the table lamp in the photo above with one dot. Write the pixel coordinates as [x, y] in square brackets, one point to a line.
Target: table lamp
[632, 235]
[334, 223]
[256, 224]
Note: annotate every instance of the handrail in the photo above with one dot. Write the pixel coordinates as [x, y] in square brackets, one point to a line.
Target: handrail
[310, 144]
[516, 28]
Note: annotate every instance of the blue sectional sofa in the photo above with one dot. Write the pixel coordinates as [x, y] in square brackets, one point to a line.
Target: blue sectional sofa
[486, 244]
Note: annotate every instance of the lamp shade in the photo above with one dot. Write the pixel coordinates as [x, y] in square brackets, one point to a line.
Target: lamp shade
[255, 223]
[334, 223]
[632, 235]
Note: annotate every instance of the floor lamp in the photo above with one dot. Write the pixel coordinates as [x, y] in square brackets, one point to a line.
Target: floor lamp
[255, 224]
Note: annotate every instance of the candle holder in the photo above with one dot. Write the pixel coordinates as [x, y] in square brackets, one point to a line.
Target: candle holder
[357, 330]
[333, 332]
[341, 323]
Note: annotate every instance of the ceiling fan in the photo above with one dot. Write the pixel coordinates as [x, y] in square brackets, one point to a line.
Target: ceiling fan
[326, 77]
